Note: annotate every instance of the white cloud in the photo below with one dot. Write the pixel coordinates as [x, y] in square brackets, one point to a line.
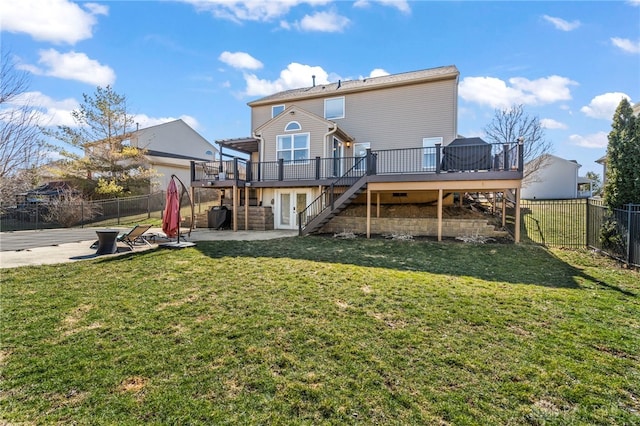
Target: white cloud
[294, 76]
[56, 21]
[634, 2]
[240, 60]
[328, 22]
[561, 24]
[250, 10]
[378, 72]
[145, 121]
[496, 93]
[594, 140]
[550, 123]
[72, 66]
[48, 111]
[401, 5]
[625, 44]
[603, 106]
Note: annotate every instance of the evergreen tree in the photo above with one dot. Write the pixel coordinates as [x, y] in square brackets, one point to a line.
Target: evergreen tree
[101, 160]
[623, 158]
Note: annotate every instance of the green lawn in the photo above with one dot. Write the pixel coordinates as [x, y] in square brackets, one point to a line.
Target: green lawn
[314, 330]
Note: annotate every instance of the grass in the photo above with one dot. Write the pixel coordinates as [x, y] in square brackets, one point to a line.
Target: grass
[313, 330]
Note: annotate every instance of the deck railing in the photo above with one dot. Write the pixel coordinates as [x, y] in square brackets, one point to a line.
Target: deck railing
[436, 159]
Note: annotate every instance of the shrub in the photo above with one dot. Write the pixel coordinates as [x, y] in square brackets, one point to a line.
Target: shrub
[70, 209]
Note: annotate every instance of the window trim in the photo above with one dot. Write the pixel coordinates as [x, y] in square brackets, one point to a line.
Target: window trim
[273, 107]
[287, 129]
[343, 108]
[292, 150]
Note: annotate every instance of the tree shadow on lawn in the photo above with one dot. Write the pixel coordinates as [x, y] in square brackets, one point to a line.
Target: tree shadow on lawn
[511, 263]
[508, 263]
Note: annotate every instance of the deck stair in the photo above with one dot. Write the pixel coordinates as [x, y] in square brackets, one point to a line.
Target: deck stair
[333, 209]
[336, 197]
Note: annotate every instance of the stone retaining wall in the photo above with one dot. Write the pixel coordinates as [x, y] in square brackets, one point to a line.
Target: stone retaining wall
[413, 226]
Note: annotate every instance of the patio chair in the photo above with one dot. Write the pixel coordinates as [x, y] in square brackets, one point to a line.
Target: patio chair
[135, 235]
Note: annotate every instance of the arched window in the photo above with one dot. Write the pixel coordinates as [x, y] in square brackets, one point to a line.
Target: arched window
[292, 125]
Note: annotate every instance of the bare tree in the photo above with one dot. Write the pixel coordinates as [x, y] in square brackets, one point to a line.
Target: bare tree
[21, 144]
[509, 125]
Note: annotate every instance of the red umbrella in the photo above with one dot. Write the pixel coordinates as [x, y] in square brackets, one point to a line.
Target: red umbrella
[171, 216]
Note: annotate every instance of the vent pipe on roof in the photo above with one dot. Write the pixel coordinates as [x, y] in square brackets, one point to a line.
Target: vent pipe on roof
[313, 77]
[339, 84]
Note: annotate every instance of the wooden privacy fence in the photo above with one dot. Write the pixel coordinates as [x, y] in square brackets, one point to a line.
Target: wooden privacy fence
[579, 223]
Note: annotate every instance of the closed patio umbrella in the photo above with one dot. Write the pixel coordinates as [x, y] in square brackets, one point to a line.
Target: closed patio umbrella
[171, 216]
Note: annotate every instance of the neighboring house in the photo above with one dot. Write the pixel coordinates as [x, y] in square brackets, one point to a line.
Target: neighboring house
[170, 148]
[556, 178]
[384, 140]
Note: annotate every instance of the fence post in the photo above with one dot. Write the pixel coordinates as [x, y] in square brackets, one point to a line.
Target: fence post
[629, 224]
[118, 209]
[587, 219]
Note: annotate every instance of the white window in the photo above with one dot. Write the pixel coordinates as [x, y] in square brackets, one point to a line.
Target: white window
[429, 153]
[334, 108]
[294, 148]
[276, 109]
[292, 125]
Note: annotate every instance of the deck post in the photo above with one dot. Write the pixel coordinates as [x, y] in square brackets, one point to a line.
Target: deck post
[378, 205]
[505, 151]
[521, 156]
[504, 208]
[440, 193]
[234, 200]
[246, 208]
[438, 156]
[317, 168]
[368, 212]
[280, 169]
[517, 219]
[192, 165]
[249, 172]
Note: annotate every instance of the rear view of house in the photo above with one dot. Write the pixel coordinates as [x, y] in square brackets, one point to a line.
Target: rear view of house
[318, 151]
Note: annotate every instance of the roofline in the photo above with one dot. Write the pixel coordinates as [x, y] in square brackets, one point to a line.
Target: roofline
[454, 74]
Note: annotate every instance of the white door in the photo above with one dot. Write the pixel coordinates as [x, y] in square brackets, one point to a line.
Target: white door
[360, 150]
[290, 203]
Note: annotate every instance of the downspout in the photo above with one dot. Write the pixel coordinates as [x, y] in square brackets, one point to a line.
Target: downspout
[261, 151]
[260, 158]
[329, 133]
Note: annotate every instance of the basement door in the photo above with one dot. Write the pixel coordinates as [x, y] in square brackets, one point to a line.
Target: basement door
[289, 204]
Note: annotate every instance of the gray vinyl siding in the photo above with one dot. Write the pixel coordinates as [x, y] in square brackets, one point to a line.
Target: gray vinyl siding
[315, 128]
[393, 117]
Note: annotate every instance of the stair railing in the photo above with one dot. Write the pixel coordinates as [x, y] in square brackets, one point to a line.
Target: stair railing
[326, 200]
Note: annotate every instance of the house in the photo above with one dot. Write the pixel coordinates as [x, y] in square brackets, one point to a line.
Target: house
[316, 152]
[170, 148]
[556, 178]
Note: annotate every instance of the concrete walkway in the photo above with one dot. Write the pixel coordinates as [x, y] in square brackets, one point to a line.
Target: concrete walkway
[51, 246]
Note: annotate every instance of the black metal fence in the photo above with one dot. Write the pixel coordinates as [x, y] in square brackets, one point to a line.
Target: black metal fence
[581, 223]
[111, 212]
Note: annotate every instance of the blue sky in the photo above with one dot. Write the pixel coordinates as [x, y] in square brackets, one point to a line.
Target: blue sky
[569, 63]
